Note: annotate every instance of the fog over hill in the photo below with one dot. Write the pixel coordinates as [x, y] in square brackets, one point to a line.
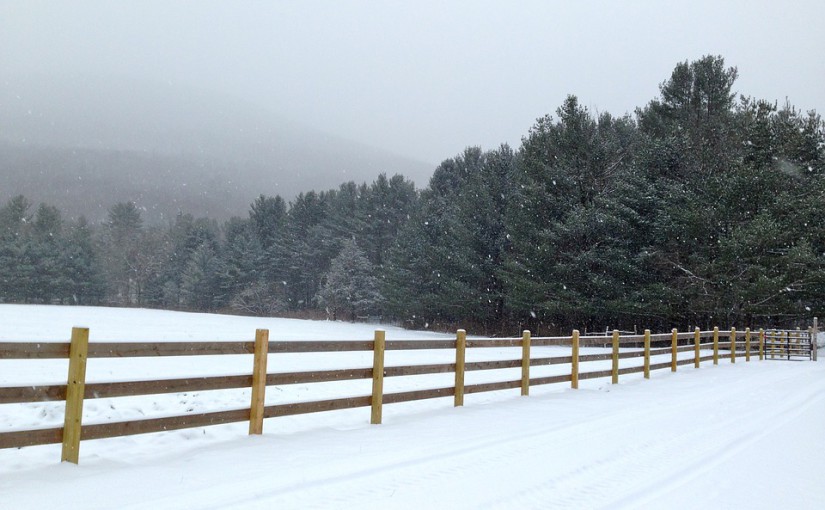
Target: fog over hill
[84, 142]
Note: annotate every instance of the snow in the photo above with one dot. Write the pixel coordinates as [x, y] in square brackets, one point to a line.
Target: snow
[748, 435]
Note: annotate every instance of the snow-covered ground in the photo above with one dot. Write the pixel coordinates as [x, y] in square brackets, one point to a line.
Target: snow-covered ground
[732, 436]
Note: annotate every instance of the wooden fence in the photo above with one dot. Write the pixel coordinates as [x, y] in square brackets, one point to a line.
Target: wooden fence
[738, 344]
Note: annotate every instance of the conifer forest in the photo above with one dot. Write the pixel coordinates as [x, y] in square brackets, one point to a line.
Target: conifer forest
[704, 207]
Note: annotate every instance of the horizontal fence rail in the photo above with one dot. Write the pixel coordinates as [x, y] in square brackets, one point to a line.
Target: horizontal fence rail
[770, 344]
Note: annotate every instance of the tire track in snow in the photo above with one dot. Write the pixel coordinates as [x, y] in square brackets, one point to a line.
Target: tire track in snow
[539, 482]
[450, 461]
[603, 484]
[599, 483]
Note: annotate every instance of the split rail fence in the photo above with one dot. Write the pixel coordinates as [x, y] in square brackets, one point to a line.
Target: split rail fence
[738, 344]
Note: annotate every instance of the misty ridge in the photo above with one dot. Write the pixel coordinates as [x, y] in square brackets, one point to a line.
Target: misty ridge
[84, 143]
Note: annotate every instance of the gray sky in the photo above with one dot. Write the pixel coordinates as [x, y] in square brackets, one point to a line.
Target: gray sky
[421, 78]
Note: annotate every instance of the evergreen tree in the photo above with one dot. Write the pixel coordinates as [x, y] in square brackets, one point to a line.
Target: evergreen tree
[242, 262]
[728, 219]
[387, 205]
[121, 248]
[16, 268]
[310, 246]
[445, 263]
[43, 248]
[694, 119]
[14, 218]
[573, 251]
[347, 214]
[81, 267]
[423, 281]
[269, 216]
[200, 284]
[172, 252]
[350, 287]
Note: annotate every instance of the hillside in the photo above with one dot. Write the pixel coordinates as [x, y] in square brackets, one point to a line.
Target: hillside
[89, 181]
[84, 143]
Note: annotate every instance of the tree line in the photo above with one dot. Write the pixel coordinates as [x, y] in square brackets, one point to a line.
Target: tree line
[703, 208]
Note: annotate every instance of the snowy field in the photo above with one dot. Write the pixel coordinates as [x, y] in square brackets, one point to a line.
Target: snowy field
[732, 436]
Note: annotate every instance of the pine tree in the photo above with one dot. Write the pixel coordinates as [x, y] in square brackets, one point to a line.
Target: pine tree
[241, 259]
[121, 247]
[81, 267]
[309, 248]
[694, 118]
[268, 216]
[350, 287]
[200, 285]
[387, 205]
[444, 266]
[170, 253]
[567, 221]
[346, 215]
[44, 249]
[16, 269]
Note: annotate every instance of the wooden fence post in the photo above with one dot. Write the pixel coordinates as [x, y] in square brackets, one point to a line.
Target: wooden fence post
[813, 339]
[674, 345]
[378, 377]
[574, 373]
[615, 379]
[733, 345]
[647, 354]
[460, 357]
[256, 408]
[716, 345]
[525, 363]
[76, 386]
[747, 344]
[697, 339]
[761, 344]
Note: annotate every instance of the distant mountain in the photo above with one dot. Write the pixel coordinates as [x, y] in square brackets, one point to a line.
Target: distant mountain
[89, 181]
[85, 143]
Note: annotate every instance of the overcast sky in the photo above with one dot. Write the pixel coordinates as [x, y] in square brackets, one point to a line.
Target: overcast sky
[424, 78]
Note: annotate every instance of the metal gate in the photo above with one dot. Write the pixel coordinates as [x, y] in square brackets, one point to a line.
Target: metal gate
[789, 344]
